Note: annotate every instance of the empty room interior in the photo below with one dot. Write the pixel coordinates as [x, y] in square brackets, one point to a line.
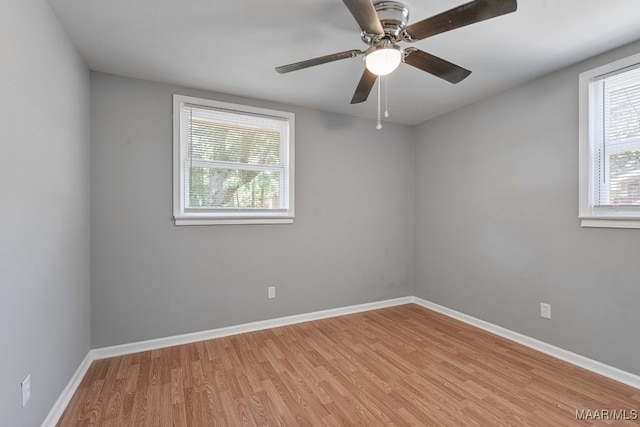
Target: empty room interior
[215, 213]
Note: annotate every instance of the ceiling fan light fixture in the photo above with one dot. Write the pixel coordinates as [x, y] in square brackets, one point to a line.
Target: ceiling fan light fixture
[382, 60]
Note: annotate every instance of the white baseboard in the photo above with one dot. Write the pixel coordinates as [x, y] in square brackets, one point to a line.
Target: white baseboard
[65, 397]
[557, 352]
[120, 350]
[136, 347]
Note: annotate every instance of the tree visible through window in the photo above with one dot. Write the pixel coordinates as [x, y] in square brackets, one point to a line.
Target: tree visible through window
[625, 178]
[221, 187]
[617, 137]
[623, 130]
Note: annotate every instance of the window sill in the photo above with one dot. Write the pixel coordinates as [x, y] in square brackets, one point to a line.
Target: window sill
[600, 222]
[199, 220]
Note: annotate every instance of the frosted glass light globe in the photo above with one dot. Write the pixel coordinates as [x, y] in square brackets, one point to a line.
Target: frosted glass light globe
[383, 61]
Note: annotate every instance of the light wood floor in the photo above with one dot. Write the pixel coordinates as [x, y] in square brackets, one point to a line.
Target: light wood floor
[399, 366]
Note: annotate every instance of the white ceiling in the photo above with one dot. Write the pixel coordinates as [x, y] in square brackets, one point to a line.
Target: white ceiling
[232, 46]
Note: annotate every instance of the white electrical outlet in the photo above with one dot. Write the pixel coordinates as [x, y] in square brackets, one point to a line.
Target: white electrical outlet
[545, 310]
[271, 292]
[26, 390]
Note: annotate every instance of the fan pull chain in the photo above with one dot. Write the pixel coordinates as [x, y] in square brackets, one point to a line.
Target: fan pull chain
[386, 97]
[379, 123]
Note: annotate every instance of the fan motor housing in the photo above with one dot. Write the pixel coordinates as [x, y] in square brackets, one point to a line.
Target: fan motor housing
[393, 16]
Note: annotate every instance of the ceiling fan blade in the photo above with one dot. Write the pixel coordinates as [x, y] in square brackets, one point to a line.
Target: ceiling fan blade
[317, 61]
[365, 85]
[436, 66]
[366, 16]
[466, 14]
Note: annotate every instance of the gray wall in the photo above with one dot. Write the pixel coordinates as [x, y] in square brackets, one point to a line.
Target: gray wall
[497, 229]
[351, 242]
[44, 219]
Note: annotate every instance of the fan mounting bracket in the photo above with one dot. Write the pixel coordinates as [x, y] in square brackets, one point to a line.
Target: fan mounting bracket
[393, 17]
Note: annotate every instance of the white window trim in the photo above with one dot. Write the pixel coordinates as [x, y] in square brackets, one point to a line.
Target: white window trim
[589, 215]
[227, 217]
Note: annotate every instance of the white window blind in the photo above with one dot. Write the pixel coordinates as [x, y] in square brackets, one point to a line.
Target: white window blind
[235, 163]
[616, 138]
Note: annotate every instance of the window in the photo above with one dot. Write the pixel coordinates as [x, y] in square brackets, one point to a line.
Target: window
[232, 164]
[610, 145]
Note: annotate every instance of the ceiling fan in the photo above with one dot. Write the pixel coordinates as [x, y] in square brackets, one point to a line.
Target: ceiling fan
[384, 26]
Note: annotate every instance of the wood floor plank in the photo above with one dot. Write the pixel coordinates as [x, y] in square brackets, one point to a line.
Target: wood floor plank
[397, 366]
